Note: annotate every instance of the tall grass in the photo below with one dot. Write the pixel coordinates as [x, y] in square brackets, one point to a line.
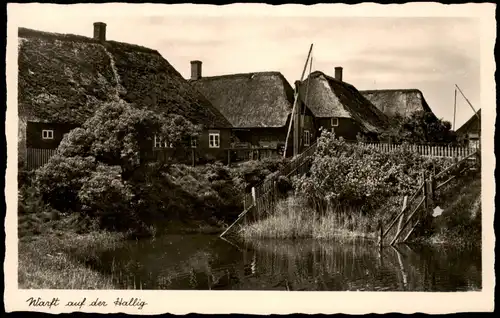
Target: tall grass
[61, 261]
[293, 218]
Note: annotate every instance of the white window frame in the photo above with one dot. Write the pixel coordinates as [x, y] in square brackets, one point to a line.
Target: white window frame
[215, 137]
[47, 134]
[158, 143]
[335, 122]
[194, 142]
[307, 137]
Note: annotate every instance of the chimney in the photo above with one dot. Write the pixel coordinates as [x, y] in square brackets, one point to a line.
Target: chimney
[195, 70]
[100, 31]
[338, 73]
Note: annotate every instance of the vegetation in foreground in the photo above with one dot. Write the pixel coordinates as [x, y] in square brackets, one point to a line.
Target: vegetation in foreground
[350, 190]
[460, 222]
[66, 242]
[294, 219]
[58, 260]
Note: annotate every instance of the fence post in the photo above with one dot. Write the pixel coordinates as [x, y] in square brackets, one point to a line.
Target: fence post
[425, 193]
[433, 187]
[401, 218]
[254, 200]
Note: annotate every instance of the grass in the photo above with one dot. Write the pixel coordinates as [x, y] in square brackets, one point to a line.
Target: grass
[59, 261]
[293, 219]
[460, 222]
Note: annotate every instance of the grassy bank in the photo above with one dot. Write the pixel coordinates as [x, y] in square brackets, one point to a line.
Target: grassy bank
[58, 261]
[351, 190]
[293, 218]
[460, 222]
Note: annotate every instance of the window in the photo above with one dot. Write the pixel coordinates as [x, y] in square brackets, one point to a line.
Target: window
[159, 143]
[335, 122]
[47, 134]
[194, 142]
[214, 140]
[307, 138]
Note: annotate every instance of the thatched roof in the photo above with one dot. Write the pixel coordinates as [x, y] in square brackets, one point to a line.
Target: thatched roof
[473, 125]
[250, 100]
[328, 97]
[402, 101]
[63, 78]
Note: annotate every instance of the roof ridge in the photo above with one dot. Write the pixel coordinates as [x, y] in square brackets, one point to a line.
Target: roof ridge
[328, 77]
[391, 90]
[240, 75]
[27, 32]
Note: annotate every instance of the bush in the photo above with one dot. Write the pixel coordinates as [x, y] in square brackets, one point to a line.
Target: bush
[105, 196]
[420, 127]
[60, 180]
[212, 186]
[356, 176]
[250, 173]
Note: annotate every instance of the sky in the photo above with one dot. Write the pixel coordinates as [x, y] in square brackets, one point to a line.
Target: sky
[427, 53]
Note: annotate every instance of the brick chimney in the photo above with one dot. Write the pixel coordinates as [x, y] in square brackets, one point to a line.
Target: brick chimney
[195, 70]
[338, 73]
[100, 31]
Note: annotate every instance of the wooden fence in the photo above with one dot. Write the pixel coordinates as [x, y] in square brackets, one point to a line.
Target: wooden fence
[432, 150]
[417, 208]
[36, 158]
[262, 199]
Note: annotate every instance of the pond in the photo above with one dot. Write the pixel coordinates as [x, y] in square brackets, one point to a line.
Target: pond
[204, 262]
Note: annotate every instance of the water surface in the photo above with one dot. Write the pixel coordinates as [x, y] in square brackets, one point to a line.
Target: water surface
[203, 262]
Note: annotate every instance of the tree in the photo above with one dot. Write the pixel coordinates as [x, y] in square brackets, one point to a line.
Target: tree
[420, 127]
[120, 134]
[98, 169]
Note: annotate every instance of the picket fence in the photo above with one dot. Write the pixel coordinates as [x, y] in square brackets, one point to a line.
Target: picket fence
[36, 157]
[437, 150]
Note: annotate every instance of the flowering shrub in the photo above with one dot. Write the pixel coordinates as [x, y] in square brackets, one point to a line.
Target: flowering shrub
[60, 180]
[106, 195]
[353, 175]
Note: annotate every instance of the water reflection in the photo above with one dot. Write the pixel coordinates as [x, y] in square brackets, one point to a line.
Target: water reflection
[206, 262]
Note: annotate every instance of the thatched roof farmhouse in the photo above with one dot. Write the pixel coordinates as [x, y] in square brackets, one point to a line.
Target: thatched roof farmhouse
[250, 100]
[258, 105]
[339, 105]
[404, 102]
[471, 129]
[63, 78]
[473, 125]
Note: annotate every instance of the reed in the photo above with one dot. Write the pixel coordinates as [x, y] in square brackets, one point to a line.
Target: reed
[294, 219]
